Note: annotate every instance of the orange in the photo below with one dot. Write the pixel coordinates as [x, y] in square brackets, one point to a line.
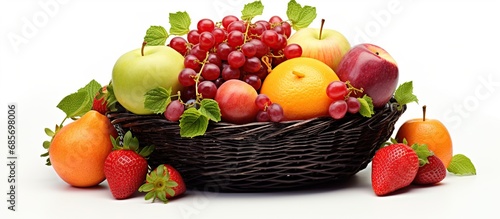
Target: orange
[78, 150]
[298, 85]
[431, 132]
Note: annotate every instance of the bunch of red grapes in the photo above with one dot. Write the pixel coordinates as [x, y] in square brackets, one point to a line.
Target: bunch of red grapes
[230, 49]
[344, 99]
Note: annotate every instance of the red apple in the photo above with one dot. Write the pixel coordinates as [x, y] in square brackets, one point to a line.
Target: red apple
[326, 45]
[236, 101]
[371, 68]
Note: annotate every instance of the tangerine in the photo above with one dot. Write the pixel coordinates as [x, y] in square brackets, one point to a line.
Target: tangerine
[299, 85]
[431, 132]
[79, 149]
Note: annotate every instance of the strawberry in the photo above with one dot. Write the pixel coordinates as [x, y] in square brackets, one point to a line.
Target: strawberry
[163, 183]
[393, 167]
[100, 104]
[125, 167]
[431, 171]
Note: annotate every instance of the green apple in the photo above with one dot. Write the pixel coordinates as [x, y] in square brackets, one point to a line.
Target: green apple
[140, 70]
[326, 45]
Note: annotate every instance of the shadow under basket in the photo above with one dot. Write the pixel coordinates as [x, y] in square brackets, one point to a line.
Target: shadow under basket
[264, 156]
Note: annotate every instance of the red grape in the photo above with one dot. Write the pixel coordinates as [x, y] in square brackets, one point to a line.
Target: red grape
[235, 38]
[193, 36]
[338, 109]
[270, 38]
[353, 105]
[219, 35]
[174, 111]
[276, 113]
[287, 29]
[262, 116]
[205, 25]
[252, 65]
[206, 41]
[260, 48]
[275, 19]
[230, 73]
[207, 89]
[337, 90]
[237, 25]
[192, 62]
[214, 59]
[228, 20]
[179, 44]
[249, 49]
[292, 51]
[262, 101]
[223, 50]
[253, 80]
[236, 59]
[210, 71]
[187, 77]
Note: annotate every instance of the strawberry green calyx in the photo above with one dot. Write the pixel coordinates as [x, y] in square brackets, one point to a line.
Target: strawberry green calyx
[423, 153]
[158, 185]
[131, 143]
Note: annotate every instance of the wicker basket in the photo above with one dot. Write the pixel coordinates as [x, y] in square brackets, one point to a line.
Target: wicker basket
[267, 156]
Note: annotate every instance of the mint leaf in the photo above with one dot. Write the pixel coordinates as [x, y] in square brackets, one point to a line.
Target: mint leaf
[404, 94]
[300, 16]
[157, 99]
[251, 10]
[366, 108]
[461, 165]
[75, 104]
[92, 89]
[193, 123]
[179, 23]
[210, 108]
[156, 36]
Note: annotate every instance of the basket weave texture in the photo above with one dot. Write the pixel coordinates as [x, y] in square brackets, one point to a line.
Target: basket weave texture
[264, 156]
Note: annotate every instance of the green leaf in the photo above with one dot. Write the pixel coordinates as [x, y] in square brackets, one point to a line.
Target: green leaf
[366, 108]
[146, 151]
[300, 16]
[193, 123]
[46, 145]
[160, 170]
[111, 98]
[210, 108]
[251, 10]
[179, 23]
[146, 187]
[423, 153]
[461, 165]
[80, 102]
[150, 195]
[157, 99]
[75, 104]
[170, 191]
[46, 154]
[161, 195]
[404, 94]
[171, 184]
[130, 142]
[156, 36]
[92, 88]
[49, 132]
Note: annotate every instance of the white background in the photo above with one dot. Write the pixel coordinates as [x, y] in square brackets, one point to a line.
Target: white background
[449, 49]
